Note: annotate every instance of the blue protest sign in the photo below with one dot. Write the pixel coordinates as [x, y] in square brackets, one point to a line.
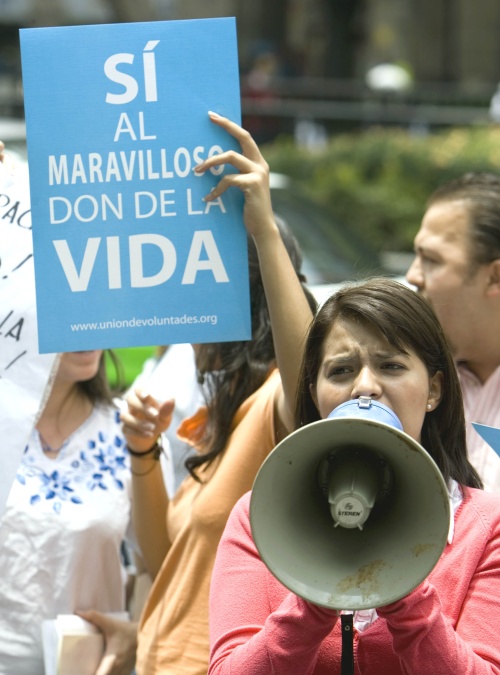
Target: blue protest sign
[126, 252]
[490, 434]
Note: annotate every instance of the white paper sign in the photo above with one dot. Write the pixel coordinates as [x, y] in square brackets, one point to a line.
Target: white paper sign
[24, 373]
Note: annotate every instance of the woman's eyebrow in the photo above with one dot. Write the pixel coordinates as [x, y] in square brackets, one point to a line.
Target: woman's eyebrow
[343, 356]
[389, 354]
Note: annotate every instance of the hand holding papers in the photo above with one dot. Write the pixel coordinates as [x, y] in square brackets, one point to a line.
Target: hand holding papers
[73, 646]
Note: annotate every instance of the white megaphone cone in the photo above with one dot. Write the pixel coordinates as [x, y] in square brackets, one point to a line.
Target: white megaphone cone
[350, 512]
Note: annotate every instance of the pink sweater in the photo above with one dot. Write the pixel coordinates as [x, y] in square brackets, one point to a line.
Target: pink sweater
[449, 625]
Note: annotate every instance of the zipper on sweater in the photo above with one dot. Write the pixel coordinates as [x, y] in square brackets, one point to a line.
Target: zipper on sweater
[347, 662]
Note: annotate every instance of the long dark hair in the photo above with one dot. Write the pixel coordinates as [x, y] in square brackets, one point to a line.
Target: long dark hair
[98, 389]
[407, 321]
[232, 371]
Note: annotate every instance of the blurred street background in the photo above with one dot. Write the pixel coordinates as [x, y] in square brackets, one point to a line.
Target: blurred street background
[361, 107]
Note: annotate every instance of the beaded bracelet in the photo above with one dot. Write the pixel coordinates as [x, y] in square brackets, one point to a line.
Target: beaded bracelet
[155, 451]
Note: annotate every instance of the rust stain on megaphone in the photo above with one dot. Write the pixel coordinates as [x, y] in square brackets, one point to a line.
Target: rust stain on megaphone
[366, 579]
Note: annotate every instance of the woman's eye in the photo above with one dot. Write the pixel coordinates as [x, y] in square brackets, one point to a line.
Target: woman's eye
[393, 366]
[339, 370]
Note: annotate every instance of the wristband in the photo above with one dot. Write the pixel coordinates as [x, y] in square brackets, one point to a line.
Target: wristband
[155, 451]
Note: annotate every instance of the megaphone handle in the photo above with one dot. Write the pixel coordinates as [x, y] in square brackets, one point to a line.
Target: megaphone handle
[347, 660]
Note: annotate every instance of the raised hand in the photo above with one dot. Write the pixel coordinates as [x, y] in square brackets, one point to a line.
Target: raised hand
[144, 420]
[252, 177]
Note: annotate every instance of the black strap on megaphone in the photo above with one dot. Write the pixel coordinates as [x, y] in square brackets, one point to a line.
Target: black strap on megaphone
[347, 662]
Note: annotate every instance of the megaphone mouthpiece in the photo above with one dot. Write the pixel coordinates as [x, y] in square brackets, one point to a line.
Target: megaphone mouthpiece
[353, 481]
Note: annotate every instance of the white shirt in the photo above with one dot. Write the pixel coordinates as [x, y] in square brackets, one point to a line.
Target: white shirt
[482, 405]
[60, 537]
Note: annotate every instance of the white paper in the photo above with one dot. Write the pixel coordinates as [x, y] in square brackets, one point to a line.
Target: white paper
[73, 646]
[24, 373]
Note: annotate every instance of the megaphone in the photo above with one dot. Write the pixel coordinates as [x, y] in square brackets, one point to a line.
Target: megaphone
[350, 512]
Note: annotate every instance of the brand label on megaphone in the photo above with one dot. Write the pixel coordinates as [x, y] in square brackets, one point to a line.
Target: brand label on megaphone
[350, 512]
[353, 480]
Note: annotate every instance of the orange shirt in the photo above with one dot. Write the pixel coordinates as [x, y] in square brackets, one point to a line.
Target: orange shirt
[173, 631]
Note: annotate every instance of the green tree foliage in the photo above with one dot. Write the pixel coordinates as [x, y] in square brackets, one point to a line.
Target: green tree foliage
[377, 181]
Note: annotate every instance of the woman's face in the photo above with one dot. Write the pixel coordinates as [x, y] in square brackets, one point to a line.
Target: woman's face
[79, 366]
[358, 361]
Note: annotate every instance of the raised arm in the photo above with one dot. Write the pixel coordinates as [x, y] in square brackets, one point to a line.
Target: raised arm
[288, 306]
[143, 422]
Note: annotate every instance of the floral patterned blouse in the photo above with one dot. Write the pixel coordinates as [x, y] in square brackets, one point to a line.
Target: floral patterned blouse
[60, 536]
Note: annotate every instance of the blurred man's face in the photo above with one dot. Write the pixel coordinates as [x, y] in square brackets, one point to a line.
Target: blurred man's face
[442, 271]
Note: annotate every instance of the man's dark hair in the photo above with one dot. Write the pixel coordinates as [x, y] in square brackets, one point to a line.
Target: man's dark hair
[481, 193]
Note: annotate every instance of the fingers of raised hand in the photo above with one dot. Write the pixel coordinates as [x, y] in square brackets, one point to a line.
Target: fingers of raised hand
[142, 416]
[231, 157]
[133, 428]
[142, 405]
[248, 145]
[252, 178]
[165, 413]
[244, 161]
